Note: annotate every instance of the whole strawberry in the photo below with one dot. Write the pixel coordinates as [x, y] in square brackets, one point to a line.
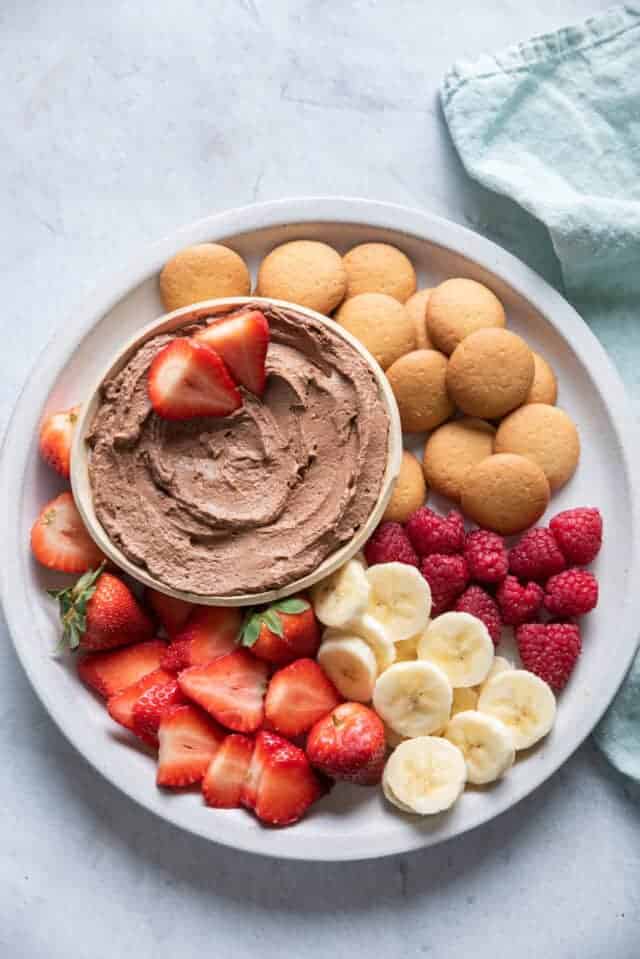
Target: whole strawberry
[550, 650]
[578, 533]
[571, 593]
[286, 630]
[390, 544]
[447, 577]
[349, 744]
[430, 533]
[101, 612]
[477, 602]
[56, 436]
[536, 556]
[519, 604]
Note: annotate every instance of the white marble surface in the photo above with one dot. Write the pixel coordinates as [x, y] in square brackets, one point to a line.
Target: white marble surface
[120, 121]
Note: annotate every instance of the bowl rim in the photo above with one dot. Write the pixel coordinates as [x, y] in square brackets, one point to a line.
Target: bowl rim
[79, 475]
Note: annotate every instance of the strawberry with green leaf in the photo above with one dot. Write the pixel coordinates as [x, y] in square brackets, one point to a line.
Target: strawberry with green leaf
[284, 631]
[100, 612]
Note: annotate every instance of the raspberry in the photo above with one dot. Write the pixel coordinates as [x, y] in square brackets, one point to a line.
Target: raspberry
[572, 593]
[536, 556]
[478, 603]
[390, 544]
[430, 533]
[550, 650]
[578, 533]
[486, 556]
[447, 576]
[518, 604]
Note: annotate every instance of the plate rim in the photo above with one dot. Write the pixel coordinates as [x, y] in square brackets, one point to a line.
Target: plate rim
[428, 227]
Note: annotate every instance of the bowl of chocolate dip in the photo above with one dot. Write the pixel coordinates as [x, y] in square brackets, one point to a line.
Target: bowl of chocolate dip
[254, 506]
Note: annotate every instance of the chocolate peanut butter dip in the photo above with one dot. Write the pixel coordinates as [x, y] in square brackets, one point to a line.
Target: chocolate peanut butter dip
[254, 500]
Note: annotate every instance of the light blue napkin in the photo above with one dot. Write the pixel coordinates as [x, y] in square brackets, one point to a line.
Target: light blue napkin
[554, 123]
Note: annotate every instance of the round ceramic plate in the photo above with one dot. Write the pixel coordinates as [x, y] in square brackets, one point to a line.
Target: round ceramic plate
[353, 822]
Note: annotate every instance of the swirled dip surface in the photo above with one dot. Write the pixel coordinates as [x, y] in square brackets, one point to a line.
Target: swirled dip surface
[254, 500]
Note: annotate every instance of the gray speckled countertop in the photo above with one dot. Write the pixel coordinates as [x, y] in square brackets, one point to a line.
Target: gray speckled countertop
[119, 122]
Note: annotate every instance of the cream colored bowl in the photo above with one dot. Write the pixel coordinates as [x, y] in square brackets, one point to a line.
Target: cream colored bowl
[81, 453]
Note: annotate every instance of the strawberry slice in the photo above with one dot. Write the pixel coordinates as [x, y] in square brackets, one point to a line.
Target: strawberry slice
[280, 784]
[298, 696]
[56, 434]
[188, 379]
[230, 688]
[224, 780]
[242, 340]
[59, 539]
[149, 709]
[189, 739]
[172, 613]
[120, 706]
[209, 633]
[111, 672]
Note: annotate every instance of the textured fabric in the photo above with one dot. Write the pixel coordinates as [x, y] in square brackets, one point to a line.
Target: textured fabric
[554, 123]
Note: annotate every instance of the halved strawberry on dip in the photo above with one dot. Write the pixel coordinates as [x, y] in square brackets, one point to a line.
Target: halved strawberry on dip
[242, 340]
[188, 379]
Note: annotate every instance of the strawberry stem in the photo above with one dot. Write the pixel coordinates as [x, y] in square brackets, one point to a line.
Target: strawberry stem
[72, 603]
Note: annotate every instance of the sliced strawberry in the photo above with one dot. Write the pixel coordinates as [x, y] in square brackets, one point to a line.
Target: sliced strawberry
[149, 709]
[120, 706]
[231, 688]
[189, 739]
[298, 696]
[280, 784]
[209, 632]
[111, 672]
[176, 657]
[224, 780]
[188, 379]
[56, 434]
[242, 340]
[172, 613]
[59, 539]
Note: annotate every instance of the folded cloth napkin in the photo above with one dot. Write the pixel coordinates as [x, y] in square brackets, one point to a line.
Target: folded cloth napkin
[554, 123]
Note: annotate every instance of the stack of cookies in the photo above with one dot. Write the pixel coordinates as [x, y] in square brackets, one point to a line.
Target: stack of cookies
[497, 444]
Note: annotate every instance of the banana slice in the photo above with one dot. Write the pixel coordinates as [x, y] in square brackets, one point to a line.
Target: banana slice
[400, 599]
[376, 636]
[390, 796]
[360, 558]
[499, 665]
[351, 666]
[464, 698]
[393, 739]
[342, 596]
[407, 649]
[485, 743]
[460, 645]
[414, 699]
[523, 702]
[426, 775]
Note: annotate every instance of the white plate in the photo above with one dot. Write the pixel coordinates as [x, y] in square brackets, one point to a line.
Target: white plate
[353, 823]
